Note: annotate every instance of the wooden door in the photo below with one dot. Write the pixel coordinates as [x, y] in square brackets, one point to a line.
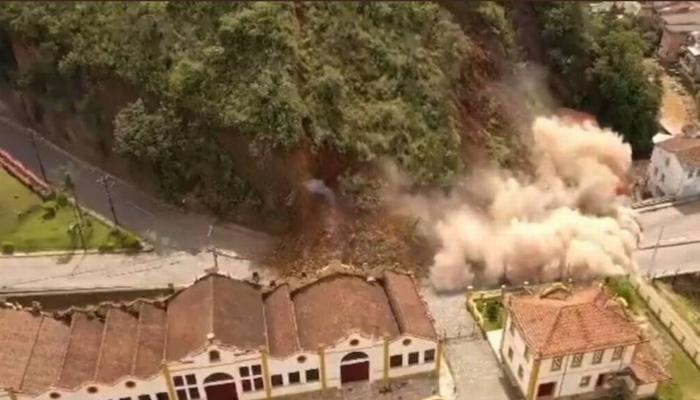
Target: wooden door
[224, 391]
[354, 372]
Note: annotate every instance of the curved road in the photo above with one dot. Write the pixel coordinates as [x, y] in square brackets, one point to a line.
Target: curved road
[166, 227]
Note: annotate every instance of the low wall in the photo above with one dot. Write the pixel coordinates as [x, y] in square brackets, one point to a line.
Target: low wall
[24, 175]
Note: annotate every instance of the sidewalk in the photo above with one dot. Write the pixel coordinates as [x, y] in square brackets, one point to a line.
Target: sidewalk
[677, 326]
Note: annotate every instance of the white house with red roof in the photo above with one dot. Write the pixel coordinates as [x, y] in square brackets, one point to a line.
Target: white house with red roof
[561, 343]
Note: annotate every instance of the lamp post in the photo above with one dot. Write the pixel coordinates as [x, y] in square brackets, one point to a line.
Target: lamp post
[107, 182]
[32, 137]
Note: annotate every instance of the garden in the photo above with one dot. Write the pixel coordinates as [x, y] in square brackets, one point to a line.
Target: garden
[29, 223]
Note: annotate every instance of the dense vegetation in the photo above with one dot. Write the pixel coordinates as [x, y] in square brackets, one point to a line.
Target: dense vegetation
[599, 60]
[365, 79]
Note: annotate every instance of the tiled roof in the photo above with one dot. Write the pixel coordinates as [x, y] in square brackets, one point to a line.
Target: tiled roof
[328, 309]
[559, 322]
[686, 149]
[409, 309]
[281, 325]
[646, 367]
[113, 341]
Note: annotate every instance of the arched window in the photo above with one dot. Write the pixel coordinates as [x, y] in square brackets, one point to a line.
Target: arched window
[355, 355]
[217, 377]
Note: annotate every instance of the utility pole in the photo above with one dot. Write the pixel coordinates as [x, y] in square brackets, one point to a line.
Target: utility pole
[32, 136]
[656, 248]
[68, 183]
[212, 248]
[107, 182]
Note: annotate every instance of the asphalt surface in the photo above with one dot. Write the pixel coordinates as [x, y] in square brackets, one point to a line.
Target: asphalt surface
[166, 227]
[677, 232]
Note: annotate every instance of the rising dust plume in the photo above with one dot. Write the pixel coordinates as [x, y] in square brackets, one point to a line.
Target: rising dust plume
[565, 220]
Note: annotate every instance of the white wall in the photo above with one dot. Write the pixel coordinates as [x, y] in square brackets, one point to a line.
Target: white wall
[373, 347]
[646, 390]
[416, 345]
[568, 378]
[677, 182]
[116, 391]
[291, 364]
[516, 342]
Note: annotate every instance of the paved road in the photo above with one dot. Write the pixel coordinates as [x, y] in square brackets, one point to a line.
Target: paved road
[676, 225]
[472, 362]
[113, 271]
[166, 227]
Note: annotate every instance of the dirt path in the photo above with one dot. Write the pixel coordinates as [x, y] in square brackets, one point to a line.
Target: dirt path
[677, 105]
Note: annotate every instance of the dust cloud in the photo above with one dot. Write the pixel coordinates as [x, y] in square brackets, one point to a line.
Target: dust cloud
[563, 220]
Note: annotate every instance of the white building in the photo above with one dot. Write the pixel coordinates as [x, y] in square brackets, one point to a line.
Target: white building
[559, 344]
[223, 339]
[674, 169]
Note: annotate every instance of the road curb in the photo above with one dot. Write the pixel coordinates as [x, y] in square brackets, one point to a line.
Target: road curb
[661, 246]
[60, 253]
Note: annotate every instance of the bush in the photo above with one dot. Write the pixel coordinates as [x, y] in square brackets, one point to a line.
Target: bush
[49, 209]
[131, 242]
[107, 247]
[62, 199]
[492, 311]
[622, 288]
[7, 247]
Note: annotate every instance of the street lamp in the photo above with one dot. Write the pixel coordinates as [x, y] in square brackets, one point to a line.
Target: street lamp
[32, 137]
[212, 248]
[107, 182]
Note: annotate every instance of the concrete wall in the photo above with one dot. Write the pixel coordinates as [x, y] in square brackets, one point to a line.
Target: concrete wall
[512, 339]
[415, 344]
[298, 362]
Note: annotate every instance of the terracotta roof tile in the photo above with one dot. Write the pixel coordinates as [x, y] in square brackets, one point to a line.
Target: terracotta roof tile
[408, 306]
[238, 317]
[118, 346]
[189, 320]
[679, 143]
[281, 324]
[331, 307]
[83, 351]
[18, 332]
[584, 321]
[151, 340]
[47, 357]
[646, 366]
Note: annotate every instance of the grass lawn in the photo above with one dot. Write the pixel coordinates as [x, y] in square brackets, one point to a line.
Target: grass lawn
[685, 307]
[492, 312]
[24, 226]
[685, 384]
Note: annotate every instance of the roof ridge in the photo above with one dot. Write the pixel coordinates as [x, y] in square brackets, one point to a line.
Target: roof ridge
[395, 308]
[552, 328]
[138, 340]
[102, 344]
[65, 352]
[31, 352]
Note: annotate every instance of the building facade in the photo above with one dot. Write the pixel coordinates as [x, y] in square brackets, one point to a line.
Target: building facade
[674, 168]
[223, 339]
[563, 344]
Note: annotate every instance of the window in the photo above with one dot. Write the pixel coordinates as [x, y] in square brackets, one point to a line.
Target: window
[656, 171]
[413, 358]
[214, 356]
[354, 342]
[312, 375]
[690, 174]
[578, 360]
[145, 397]
[130, 384]
[585, 381]
[556, 363]
[668, 160]
[162, 396]
[294, 377]
[92, 389]
[598, 356]
[617, 353]
[301, 359]
[125, 398]
[406, 342]
[251, 377]
[396, 361]
[520, 372]
[512, 327]
[186, 389]
[527, 354]
[55, 395]
[276, 380]
[429, 356]
[663, 177]
[510, 353]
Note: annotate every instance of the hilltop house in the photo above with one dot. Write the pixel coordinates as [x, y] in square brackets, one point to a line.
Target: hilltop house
[561, 343]
[224, 339]
[674, 169]
[678, 20]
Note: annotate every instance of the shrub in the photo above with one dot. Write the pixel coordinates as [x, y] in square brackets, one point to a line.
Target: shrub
[62, 199]
[131, 242]
[49, 209]
[7, 247]
[492, 310]
[106, 247]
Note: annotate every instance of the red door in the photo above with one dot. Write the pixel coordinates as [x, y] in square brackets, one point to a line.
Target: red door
[354, 372]
[224, 391]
